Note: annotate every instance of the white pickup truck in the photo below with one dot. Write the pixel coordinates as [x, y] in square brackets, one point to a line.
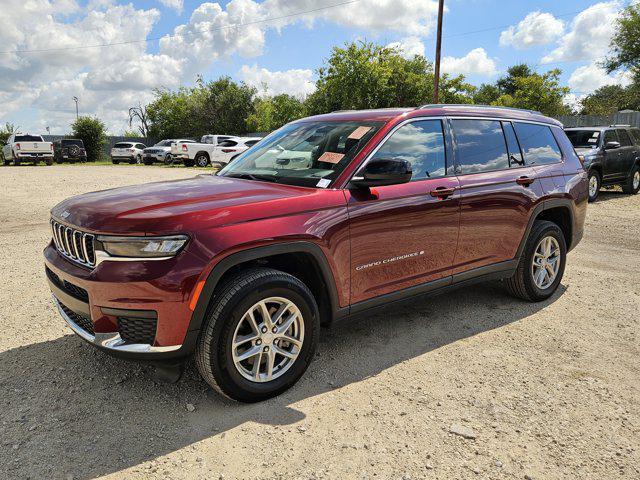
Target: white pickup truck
[198, 154]
[27, 148]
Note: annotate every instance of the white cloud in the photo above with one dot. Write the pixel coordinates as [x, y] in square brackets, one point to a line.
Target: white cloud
[409, 46]
[476, 62]
[536, 28]
[588, 78]
[297, 82]
[589, 36]
[177, 5]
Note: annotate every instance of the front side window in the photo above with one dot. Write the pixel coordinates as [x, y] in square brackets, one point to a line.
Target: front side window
[538, 144]
[610, 136]
[481, 145]
[303, 153]
[421, 143]
[625, 140]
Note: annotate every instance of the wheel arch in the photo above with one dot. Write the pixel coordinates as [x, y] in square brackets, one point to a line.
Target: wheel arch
[202, 152]
[558, 211]
[304, 260]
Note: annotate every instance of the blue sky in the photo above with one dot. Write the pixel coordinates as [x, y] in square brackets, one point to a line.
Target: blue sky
[40, 72]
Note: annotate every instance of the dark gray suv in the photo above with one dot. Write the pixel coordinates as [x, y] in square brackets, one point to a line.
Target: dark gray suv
[610, 154]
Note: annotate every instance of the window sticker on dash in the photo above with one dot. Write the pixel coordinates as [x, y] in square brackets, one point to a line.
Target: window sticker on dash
[331, 157]
[359, 132]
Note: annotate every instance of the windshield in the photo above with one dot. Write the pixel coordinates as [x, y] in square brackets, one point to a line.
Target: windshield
[309, 154]
[584, 138]
[28, 138]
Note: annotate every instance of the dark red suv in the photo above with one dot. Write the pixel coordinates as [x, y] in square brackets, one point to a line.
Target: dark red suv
[328, 217]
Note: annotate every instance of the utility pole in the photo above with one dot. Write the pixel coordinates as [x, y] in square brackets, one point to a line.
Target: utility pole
[436, 76]
[75, 99]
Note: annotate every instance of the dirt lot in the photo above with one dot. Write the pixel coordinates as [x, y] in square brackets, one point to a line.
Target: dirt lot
[548, 391]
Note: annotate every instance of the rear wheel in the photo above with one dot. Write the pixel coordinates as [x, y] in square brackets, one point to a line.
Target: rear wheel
[202, 160]
[188, 162]
[541, 266]
[115, 162]
[168, 160]
[594, 185]
[632, 186]
[49, 161]
[259, 336]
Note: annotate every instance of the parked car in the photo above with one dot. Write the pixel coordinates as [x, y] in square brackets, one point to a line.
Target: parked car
[161, 151]
[228, 149]
[198, 154]
[22, 147]
[610, 154]
[69, 150]
[328, 217]
[129, 152]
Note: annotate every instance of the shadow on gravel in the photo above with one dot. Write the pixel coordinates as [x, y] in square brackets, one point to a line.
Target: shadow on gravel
[71, 411]
[606, 195]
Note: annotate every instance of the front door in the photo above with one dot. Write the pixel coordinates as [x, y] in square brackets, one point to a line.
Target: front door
[613, 157]
[406, 235]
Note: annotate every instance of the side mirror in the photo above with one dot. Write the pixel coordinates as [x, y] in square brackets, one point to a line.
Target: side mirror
[612, 145]
[380, 172]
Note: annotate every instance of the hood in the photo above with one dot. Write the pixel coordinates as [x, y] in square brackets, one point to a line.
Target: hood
[178, 205]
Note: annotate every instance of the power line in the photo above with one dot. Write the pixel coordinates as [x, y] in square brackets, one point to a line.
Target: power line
[176, 35]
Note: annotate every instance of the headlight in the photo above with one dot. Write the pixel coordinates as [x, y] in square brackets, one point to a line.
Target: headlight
[142, 247]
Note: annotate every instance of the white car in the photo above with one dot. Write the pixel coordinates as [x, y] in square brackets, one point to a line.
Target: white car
[129, 152]
[198, 154]
[228, 149]
[22, 147]
[161, 151]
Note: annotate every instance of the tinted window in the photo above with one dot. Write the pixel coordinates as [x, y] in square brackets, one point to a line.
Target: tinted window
[28, 138]
[77, 143]
[227, 143]
[610, 136]
[122, 145]
[583, 138]
[422, 144]
[251, 143]
[635, 135]
[480, 145]
[625, 140]
[515, 155]
[538, 144]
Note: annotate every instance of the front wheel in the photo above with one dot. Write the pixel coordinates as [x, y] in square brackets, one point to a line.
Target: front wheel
[260, 336]
[594, 185]
[632, 186]
[541, 266]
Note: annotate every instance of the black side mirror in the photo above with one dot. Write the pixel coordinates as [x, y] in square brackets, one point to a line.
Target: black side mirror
[612, 145]
[380, 172]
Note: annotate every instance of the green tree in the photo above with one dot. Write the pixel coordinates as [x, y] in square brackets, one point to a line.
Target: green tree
[610, 99]
[273, 112]
[170, 114]
[625, 44]
[364, 75]
[7, 131]
[507, 85]
[486, 94]
[92, 132]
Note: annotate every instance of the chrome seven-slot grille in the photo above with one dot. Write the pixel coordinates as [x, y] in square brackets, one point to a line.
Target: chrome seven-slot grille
[74, 244]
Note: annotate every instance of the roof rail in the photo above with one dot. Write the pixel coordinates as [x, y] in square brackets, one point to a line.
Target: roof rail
[471, 105]
[620, 125]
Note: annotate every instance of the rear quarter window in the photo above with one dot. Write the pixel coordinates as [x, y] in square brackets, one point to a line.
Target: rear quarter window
[538, 144]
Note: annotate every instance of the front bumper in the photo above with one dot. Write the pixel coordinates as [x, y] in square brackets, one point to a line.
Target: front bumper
[105, 305]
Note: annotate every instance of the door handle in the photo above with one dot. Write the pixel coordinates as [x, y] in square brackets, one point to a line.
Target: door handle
[442, 192]
[525, 181]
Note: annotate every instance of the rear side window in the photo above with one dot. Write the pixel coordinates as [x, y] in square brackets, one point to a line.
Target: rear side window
[122, 145]
[251, 143]
[635, 135]
[140, 146]
[538, 144]
[625, 140]
[421, 143]
[480, 145]
[227, 143]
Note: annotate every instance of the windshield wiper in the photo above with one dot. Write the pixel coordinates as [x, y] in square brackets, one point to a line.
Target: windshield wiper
[252, 176]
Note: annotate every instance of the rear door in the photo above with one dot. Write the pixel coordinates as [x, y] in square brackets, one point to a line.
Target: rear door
[405, 235]
[498, 191]
[613, 158]
[628, 152]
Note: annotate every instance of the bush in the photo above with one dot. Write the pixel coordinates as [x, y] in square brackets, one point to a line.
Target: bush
[93, 134]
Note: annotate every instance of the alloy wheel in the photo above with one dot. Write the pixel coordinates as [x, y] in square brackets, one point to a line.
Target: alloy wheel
[636, 180]
[593, 186]
[268, 339]
[202, 161]
[546, 262]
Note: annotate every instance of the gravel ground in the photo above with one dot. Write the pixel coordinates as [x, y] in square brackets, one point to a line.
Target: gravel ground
[472, 384]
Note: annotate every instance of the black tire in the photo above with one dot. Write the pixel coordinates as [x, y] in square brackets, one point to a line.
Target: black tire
[189, 163]
[202, 160]
[629, 187]
[229, 304]
[594, 176]
[49, 161]
[115, 162]
[167, 159]
[521, 284]
[16, 162]
[148, 162]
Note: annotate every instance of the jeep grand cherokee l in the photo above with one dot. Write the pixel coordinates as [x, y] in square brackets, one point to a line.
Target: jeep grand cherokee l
[328, 217]
[611, 156]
